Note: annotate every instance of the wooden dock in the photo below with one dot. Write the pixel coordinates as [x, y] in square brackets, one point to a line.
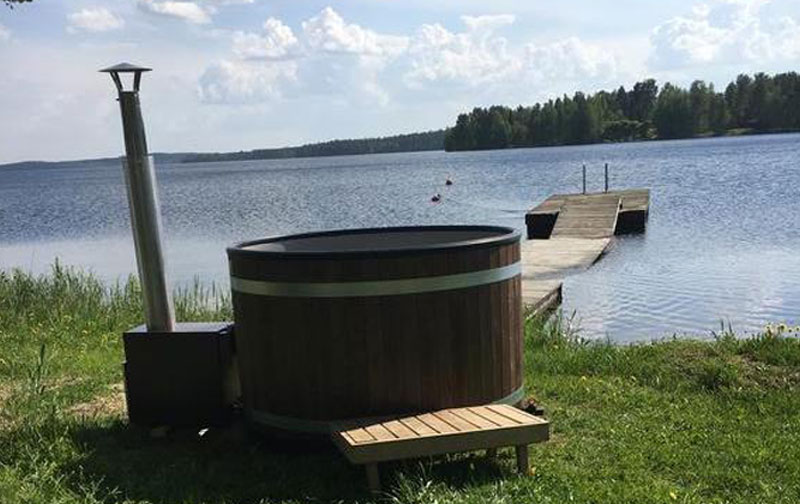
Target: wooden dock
[569, 233]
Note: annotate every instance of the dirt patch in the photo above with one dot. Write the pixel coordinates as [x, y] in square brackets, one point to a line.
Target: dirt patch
[759, 374]
[6, 391]
[111, 403]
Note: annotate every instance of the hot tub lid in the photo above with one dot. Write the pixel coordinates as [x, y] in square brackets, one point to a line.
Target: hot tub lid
[378, 241]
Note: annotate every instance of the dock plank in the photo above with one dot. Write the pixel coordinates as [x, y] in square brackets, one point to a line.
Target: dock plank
[588, 218]
[546, 262]
[541, 296]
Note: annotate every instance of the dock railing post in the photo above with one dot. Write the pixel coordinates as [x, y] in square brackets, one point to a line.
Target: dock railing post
[584, 179]
[606, 177]
[143, 202]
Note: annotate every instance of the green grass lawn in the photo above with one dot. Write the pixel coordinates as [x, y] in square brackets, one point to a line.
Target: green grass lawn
[674, 421]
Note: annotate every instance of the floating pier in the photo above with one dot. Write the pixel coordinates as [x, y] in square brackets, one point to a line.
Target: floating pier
[569, 232]
[598, 215]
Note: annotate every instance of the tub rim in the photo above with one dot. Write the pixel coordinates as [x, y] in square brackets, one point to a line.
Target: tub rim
[505, 236]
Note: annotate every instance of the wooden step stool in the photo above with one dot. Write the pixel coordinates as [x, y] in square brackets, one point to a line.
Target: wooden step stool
[370, 441]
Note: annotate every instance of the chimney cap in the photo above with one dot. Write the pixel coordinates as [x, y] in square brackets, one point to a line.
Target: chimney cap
[125, 67]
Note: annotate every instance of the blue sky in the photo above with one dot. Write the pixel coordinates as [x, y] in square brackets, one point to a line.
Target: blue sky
[244, 74]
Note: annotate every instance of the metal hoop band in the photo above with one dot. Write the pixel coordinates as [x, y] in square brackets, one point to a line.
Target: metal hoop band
[375, 288]
[324, 426]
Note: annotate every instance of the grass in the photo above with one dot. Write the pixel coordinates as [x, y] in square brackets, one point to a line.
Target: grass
[675, 421]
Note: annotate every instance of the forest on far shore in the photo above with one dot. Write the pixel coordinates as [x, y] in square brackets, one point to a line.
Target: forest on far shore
[760, 103]
[429, 140]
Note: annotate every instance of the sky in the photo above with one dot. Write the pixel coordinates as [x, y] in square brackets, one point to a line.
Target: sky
[243, 74]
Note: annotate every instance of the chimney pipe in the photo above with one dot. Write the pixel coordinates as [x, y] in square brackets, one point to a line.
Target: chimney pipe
[143, 203]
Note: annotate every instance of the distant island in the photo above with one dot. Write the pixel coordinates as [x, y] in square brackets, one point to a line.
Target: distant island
[427, 141]
[758, 104]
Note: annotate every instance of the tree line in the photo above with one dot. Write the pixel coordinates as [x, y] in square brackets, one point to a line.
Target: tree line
[760, 103]
[430, 140]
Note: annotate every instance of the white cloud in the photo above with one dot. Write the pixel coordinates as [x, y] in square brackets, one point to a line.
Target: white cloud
[345, 78]
[569, 59]
[328, 32]
[473, 57]
[239, 82]
[188, 11]
[277, 42]
[479, 57]
[5, 33]
[329, 57]
[489, 23]
[351, 64]
[97, 19]
[687, 40]
[787, 38]
[725, 32]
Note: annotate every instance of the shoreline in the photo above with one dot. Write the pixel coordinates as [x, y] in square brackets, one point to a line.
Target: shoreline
[169, 158]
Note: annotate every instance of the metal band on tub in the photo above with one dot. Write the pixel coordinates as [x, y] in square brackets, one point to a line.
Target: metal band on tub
[324, 426]
[375, 288]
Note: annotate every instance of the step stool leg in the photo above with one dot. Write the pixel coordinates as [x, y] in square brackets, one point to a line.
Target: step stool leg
[522, 459]
[373, 478]
[491, 453]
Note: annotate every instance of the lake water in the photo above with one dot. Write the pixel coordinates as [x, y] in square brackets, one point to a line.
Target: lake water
[722, 242]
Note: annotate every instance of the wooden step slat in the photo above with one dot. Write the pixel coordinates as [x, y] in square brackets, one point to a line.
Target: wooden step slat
[360, 436]
[399, 430]
[380, 432]
[494, 417]
[418, 426]
[513, 413]
[459, 423]
[474, 419]
[434, 423]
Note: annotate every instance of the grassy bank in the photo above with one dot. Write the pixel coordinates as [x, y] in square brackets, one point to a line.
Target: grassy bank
[676, 421]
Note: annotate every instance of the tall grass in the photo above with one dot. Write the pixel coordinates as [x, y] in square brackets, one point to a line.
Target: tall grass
[67, 325]
[73, 296]
[202, 303]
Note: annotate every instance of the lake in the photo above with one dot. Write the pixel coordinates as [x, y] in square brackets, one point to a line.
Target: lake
[722, 242]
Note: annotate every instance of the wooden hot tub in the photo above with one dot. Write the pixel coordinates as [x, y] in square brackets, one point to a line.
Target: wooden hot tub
[369, 322]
